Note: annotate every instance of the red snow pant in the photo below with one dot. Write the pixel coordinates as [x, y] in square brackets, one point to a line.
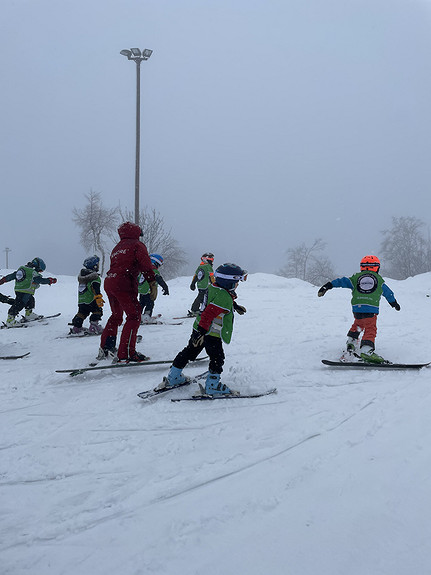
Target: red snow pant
[122, 302]
[368, 325]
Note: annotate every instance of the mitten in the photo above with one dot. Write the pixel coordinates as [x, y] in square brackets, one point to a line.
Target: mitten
[197, 337]
[153, 290]
[239, 308]
[396, 305]
[52, 281]
[324, 289]
[99, 299]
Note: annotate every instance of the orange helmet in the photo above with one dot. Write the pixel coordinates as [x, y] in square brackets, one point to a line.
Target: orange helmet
[370, 263]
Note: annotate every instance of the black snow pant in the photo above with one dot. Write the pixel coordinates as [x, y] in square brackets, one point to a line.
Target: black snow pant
[84, 310]
[22, 300]
[214, 348]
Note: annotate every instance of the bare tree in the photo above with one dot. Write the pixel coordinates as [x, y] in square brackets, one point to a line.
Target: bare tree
[97, 224]
[404, 249]
[308, 263]
[159, 240]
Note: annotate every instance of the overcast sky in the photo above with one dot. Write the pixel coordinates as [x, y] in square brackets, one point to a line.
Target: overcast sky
[265, 123]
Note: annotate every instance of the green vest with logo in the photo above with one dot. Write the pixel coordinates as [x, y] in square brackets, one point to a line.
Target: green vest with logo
[85, 293]
[203, 275]
[24, 280]
[367, 288]
[143, 285]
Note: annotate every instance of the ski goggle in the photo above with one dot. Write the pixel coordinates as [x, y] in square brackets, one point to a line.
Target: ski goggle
[235, 278]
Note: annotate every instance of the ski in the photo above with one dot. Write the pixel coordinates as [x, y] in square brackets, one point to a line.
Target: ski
[158, 322]
[150, 393]
[81, 370]
[14, 356]
[42, 317]
[185, 317]
[365, 365]
[215, 397]
[23, 323]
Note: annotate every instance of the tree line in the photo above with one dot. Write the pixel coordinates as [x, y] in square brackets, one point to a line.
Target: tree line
[405, 251]
[98, 233]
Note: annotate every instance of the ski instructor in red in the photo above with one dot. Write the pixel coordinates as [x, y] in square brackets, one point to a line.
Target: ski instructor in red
[129, 258]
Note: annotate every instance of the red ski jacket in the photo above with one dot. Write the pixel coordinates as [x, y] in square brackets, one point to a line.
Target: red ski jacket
[129, 258]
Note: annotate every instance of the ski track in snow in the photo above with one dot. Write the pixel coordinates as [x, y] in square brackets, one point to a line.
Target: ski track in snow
[95, 480]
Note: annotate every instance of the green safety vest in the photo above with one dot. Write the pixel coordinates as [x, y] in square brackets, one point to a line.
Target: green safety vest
[203, 275]
[85, 293]
[143, 285]
[24, 280]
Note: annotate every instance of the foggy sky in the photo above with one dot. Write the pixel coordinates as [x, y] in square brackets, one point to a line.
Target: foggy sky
[264, 123]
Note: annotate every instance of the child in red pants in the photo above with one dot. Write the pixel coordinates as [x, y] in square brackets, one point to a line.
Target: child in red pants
[367, 288]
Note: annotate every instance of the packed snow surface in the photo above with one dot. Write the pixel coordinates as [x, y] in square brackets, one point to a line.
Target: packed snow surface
[330, 476]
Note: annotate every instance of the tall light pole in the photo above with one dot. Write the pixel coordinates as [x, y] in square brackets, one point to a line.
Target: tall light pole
[7, 250]
[137, 56]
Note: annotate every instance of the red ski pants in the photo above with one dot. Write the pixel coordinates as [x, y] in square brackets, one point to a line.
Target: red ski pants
[123, 302]
[368, 325]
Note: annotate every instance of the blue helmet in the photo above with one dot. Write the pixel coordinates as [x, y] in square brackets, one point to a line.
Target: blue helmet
[38, 264]
[228, 275]
[92, 263]
[156, 260]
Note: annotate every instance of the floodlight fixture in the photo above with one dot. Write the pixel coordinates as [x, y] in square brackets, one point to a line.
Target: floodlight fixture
[136, 52]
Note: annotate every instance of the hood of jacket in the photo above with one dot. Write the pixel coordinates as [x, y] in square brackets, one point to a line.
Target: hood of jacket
[129, 230]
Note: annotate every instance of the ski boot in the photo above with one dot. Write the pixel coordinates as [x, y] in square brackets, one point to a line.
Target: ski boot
[109, 351]
[135, 357]
[31, 316]
[147, 319]
[350, 353]
[214, 387]
[192, 313]
[110, 354]
[95, 328]
[175, 378]
[368, 354]
[76, 331]
[11, 321]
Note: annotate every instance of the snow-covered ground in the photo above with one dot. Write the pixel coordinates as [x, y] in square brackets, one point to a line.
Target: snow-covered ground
[330, 476]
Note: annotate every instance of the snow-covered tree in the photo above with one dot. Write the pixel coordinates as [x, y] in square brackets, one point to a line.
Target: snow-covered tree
[405, 251]
[308, 263]
[97, 225]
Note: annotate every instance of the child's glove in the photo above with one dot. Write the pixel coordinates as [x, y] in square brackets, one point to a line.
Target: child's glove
[52, 281]
[153, 290]
[165, 291]
[193, 286]
[324, 289]
[239, 308]
[396, 305]
[197, 337]
[99, 299]
[2, 281]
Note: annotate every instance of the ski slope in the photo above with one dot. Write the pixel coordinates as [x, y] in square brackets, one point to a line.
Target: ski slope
[330, 476]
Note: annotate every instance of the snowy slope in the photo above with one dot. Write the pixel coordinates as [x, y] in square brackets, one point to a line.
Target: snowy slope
[330, 476]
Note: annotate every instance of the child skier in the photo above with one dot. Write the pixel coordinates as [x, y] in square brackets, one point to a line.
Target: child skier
[203, 277]
[213, 327]
[145, 300]
[90, 299]
[367, 288]
[27, 279]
